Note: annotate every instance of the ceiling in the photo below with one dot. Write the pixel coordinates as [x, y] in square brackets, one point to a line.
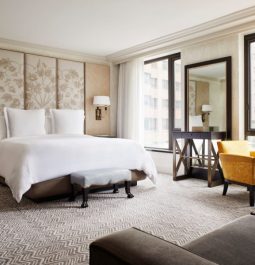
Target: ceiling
[103, 27]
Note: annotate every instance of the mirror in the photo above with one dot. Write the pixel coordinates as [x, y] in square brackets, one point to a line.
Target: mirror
[208, 96]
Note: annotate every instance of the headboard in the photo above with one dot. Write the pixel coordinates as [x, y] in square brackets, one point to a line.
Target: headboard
[29, 81]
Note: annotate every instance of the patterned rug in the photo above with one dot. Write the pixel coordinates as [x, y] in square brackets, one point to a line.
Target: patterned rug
[60, 232]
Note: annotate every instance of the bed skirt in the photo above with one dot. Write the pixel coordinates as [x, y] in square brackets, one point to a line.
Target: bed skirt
[61, 187]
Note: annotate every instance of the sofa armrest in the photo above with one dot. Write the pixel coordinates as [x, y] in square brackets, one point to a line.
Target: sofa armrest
[135, 247]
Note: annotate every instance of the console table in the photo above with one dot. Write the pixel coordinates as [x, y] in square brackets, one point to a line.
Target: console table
[189, 152]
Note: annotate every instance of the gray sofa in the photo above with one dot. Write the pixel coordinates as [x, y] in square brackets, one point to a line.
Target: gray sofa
[232, 244]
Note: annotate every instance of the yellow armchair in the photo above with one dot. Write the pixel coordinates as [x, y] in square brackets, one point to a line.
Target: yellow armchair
[238, 165]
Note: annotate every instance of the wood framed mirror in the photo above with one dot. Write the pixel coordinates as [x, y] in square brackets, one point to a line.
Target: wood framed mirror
[208, 96]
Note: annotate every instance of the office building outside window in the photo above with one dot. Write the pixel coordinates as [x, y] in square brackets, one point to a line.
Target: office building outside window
[162, 101]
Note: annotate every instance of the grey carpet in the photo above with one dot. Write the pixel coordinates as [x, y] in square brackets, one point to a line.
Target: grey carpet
[60, 232]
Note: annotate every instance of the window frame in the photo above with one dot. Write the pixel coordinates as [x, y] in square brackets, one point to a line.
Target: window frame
[248, 39]
[171, 98]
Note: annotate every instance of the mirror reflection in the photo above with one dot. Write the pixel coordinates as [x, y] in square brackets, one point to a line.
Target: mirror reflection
[207, 92]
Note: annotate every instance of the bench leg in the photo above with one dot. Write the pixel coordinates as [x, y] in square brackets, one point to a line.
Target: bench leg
[85, 195]
[127, 189]
[72, 197]
[115, 188]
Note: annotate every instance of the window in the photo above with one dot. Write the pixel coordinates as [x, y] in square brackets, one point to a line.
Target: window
[165, 103]
[160, 116]
[165, 124]
[154, 82]
[150, 102]
[165, 65]
[249, 46]
[155, 103]
[165, 84]
[178, 96]
[150, 124]
[147, 100]
[147, 78]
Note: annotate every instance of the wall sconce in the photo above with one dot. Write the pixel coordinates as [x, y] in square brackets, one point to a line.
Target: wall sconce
[206, 109]
[101, 101]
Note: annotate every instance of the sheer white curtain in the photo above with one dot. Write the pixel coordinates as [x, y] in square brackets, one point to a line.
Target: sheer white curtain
[130, 122]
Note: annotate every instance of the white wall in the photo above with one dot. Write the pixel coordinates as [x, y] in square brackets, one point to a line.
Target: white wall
[163, 161]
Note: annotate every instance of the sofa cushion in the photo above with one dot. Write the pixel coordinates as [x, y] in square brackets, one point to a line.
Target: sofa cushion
[232, 244]
[135, 247]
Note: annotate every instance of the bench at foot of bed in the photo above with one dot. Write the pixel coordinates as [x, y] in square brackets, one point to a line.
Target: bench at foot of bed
[88, 178]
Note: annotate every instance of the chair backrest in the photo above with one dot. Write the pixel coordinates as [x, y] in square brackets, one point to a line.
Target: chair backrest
[234, 147]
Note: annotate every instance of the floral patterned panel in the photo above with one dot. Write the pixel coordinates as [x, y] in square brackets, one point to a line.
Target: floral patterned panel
[40, 82]
[70, 85]
[192, 98]
[11, 80]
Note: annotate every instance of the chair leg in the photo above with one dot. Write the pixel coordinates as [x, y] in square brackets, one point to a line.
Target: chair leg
[115, 188]
[251, 196]
[225, 188]
[127, 189]
[85, 195]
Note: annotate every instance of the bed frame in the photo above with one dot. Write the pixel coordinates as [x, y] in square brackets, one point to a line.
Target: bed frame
[61, 187]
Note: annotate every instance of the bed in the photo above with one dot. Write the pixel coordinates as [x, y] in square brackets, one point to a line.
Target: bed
[35, 165]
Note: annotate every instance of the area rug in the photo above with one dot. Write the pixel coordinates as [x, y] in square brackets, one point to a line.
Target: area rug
[60, 232]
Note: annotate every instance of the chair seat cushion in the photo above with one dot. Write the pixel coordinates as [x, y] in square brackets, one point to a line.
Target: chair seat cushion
[232, 244]
[88, 178]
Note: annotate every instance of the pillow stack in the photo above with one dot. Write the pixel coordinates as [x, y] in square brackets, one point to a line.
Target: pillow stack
[20, 123]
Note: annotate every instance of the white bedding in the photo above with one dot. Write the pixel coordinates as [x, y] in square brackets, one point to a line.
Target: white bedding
[29, 160]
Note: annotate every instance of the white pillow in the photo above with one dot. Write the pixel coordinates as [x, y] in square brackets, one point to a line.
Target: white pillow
[24, 122]
[48, 125]
[3, 131]
[67, 121]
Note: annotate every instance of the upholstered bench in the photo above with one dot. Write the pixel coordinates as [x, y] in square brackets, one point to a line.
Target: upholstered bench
[86, 179]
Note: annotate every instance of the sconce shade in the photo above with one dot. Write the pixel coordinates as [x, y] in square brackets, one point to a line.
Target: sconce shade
[102, 101]
[206, 108]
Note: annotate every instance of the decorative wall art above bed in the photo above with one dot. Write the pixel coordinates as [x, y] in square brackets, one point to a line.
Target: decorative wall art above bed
[40, 82]
[70, 85]
[34, 81]
[11, 80]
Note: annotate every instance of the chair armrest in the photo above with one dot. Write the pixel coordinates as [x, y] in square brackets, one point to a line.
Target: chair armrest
[238, 168]
[135, 247]
[252, 153]
[236, 158]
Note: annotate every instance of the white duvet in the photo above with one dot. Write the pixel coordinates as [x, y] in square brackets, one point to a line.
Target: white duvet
[29, 160]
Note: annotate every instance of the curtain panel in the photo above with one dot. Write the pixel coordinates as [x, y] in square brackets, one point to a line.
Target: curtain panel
[130, 122]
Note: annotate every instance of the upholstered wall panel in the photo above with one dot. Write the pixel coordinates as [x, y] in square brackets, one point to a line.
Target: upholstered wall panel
[11, 79]
[97, 84]
[70, 92]
[40, 86]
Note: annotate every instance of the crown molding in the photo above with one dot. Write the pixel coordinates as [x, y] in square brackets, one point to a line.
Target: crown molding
[233, 23]
[49, 51]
